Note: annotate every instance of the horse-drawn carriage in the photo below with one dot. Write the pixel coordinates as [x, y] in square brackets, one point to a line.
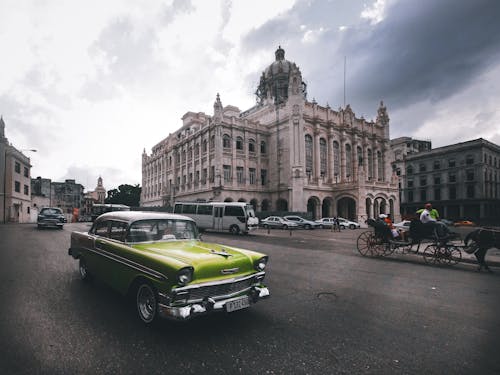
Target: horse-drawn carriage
[439, 246]
[442, 247]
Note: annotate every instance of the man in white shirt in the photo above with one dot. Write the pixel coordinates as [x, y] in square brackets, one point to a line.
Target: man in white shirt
[425, 216]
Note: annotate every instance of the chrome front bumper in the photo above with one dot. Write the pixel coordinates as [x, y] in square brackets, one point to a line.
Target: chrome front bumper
[208, 305]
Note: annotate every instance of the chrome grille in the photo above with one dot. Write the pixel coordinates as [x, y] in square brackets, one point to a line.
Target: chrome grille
[219, 290]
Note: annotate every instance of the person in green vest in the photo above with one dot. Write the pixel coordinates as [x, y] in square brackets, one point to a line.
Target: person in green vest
[433, 213]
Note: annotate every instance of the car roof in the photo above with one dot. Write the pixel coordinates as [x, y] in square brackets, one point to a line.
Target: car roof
[131, 216]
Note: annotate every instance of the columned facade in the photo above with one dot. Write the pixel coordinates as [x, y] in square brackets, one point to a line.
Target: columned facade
[285, 152]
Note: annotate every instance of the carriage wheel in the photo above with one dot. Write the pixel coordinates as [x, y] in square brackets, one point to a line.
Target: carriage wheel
[455, 255]
[408, 246]
[431, 254]
[367, 244]
[389, 248]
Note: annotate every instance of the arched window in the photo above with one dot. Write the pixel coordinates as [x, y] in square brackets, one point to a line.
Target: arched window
[322, 156]
[226, 141]
[336, 159]
[359, 152]
[309, 155]
[251, 145]
[380, 166]
[239, 143]
[348, 160]
[370, 164]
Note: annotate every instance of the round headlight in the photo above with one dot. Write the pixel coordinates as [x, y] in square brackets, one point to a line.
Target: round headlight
[185, 275]
[260, 265]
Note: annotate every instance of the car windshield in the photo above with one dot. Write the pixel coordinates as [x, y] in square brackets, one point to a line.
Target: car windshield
[51, 211]
[161, 230]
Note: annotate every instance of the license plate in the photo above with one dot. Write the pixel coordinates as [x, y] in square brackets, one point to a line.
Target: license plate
[237, 304]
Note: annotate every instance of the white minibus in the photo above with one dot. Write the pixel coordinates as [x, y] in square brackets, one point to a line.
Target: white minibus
[235, 217]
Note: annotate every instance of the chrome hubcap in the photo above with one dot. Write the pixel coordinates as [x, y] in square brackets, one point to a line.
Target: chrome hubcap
[146, 303]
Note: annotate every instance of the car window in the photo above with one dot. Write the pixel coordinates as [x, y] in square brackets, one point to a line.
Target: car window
[117, 230]
[51, 211]
[161, 230]
[101, 229]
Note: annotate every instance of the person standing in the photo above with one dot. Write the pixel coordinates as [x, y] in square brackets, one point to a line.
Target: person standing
[336, 224]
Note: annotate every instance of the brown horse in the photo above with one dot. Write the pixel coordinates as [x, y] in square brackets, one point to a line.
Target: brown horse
[481, 241]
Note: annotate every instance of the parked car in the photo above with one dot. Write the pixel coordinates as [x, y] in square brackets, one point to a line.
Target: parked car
[160, 260]
[464, 223]
[50, 217]
[344, 223]
[302, 223]
[326, 222]
[278, 222]
[405, 224]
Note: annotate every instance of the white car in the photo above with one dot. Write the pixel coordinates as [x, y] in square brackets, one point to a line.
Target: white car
[278, 222]
[326, 222]
[302, 223]
[344, 223]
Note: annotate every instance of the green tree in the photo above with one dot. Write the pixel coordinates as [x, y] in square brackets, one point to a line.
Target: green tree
[125, 194]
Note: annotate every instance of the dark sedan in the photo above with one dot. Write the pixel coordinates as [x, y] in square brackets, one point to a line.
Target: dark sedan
[51, 217]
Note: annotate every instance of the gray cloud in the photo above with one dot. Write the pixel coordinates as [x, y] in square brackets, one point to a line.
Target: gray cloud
[177, 7]
[422, 51]
[426, 50]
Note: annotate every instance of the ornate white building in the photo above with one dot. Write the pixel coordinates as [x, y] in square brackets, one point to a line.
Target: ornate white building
[284, 154]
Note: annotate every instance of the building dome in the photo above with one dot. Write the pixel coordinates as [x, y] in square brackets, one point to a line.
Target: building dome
[275, 79]
[280, 66]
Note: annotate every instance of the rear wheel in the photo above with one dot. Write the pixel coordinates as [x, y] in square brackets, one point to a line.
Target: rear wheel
[431, 254]
[146, 302]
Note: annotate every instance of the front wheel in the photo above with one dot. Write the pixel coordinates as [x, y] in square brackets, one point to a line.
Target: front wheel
[146, 302]
[234, 229]
[367, 244]
[307, 226]
[352, 226]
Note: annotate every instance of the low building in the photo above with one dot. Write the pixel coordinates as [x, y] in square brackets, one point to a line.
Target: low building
[15, 193]
[67, 195]
[460, 180]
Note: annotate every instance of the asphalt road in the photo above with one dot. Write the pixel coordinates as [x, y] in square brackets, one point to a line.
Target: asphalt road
[331, 311]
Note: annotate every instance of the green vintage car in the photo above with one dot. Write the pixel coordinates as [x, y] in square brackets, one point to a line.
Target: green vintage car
[160, 260]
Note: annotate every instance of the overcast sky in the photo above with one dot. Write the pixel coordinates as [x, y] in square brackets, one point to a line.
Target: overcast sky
[90, 84]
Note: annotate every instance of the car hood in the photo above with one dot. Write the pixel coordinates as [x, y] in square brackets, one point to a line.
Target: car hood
[209, 260]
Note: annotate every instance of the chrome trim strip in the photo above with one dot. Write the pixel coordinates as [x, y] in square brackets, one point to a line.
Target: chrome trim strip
[130, 263]
[229, 271]
[220, 282]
